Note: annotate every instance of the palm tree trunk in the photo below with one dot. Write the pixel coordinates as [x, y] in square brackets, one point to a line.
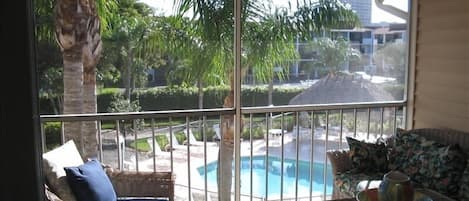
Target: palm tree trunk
[60, 104]
[128, 76]
[200, 88]
[225, 154]
[89, 129]
[269, 103]
[55, 106]
[271, 90]
[77, 33]
[73, 94]
[91, 55]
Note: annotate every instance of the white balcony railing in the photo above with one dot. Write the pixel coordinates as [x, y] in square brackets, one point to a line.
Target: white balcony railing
[286, 143]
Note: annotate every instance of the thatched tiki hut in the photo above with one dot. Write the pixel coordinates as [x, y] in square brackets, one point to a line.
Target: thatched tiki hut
[343, 88]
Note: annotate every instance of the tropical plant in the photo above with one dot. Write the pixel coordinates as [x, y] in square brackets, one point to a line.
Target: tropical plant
[130, 30]
[51, 87]
[121, 104]
[330, 54]
[49, 64]
[391, 59]
[49, 58]
[267, 38]
[78, 29]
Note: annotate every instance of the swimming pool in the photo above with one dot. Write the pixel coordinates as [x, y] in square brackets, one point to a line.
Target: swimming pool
[274, 177]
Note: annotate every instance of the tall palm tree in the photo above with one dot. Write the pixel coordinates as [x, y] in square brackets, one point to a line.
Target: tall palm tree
[78, 29]
[267, 42]
[331, 54]
[131, 26]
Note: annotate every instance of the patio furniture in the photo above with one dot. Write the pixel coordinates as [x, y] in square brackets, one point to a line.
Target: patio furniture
[346, 180]
[128, 185]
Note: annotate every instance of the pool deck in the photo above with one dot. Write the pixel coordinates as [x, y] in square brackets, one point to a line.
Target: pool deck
[181, 164]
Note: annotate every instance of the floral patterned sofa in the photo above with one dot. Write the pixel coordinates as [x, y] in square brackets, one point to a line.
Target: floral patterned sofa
[437, 160]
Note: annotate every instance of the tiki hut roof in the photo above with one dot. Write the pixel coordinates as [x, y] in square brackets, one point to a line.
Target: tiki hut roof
[341, 89]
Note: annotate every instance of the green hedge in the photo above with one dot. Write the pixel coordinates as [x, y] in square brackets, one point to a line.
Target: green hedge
[52, 134]
[187, 98]
[175, 98]
[209, 132]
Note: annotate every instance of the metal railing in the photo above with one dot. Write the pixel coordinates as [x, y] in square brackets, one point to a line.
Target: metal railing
[289, 141]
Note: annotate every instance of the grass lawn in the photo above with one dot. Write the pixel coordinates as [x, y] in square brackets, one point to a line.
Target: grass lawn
[141, 145]
[144, 146]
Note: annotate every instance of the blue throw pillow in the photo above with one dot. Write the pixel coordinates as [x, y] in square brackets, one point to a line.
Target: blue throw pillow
[89, 182]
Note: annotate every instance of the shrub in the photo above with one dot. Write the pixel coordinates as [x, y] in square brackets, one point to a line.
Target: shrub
[120, 104]
[257, 133]
[52, 134]
[172, 98]
[288, 122]
[209, 132]
[104, 98]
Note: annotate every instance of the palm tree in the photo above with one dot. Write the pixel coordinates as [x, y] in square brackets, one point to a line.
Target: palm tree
[130, 29]
[331, 54]
[391, 58]
[267, 42]
[78, 28]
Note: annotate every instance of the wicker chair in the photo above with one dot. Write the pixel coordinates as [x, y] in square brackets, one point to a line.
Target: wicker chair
[127, 184]
[341, 162]
[135, 184]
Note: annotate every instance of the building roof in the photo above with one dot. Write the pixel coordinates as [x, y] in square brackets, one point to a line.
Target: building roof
[341, 89]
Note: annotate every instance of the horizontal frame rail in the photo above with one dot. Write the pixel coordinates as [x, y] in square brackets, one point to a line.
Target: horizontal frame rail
[316, 107]
[217, 111]
[137, 115]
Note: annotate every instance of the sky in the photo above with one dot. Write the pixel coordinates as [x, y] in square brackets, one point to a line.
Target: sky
[377, 15]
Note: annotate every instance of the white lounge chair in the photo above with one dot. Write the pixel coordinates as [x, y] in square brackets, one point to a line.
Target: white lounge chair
[190, 136]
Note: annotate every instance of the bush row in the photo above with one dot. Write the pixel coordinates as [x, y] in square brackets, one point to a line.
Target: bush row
[172, 98]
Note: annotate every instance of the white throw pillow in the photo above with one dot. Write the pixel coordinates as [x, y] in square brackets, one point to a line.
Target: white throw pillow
[54, 162]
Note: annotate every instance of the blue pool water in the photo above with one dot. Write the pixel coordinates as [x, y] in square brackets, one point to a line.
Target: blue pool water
[274, 177]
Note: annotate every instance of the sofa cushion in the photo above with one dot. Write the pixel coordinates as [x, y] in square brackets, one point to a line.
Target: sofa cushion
[347, 182]
[464, 188]
[53, 163]
[367, 157]
[89, 182]
[428, 163]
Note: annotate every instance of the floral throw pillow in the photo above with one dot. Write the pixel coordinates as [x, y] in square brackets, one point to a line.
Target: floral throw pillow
[402, 146]
[367, 157]
[428, 163]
